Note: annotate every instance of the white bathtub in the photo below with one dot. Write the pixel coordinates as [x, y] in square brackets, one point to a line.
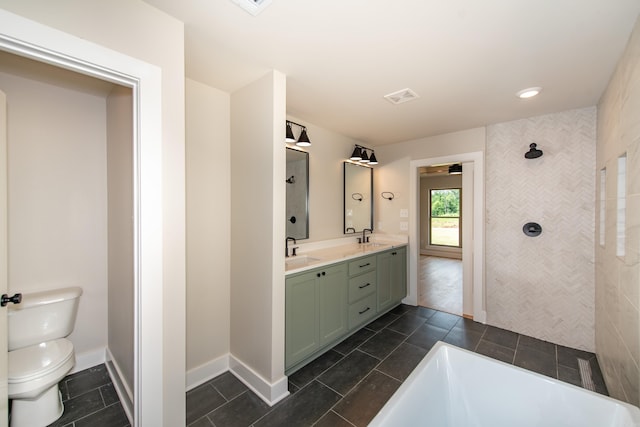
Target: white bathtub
[452, 387]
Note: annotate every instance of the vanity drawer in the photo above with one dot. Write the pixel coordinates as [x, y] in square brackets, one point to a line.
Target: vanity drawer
[361, 286]
[362, 265]
[362, 311]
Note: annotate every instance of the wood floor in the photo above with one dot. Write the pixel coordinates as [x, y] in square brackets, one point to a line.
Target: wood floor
[440, 284]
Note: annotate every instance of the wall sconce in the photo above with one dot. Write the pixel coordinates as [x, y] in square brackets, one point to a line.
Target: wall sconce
[360, 155]
[455, 169]
[303, 139]
[533, 152]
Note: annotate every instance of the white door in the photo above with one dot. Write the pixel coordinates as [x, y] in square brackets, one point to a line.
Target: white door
[4, 402]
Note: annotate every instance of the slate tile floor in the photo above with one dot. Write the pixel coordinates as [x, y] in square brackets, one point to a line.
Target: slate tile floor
[90, 400]
[349, 384]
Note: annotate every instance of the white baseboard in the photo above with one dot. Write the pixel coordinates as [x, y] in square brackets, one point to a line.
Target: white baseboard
[207, 371]
[122, 389]
[270, 393]
[88, 359]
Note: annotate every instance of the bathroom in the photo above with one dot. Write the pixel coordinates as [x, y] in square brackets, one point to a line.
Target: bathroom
[221, 301]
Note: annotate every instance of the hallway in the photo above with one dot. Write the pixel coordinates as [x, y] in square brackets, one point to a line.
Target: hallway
[440, 284]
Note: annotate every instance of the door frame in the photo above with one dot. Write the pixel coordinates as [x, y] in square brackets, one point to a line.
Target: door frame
[472, 254]
[30, 39]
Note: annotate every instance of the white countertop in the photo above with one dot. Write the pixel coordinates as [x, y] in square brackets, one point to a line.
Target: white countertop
[330, 255]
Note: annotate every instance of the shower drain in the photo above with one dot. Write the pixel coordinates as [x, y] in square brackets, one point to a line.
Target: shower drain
[585, 375]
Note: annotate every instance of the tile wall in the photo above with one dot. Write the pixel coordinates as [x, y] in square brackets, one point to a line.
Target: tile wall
[618, 259]
[542, 286]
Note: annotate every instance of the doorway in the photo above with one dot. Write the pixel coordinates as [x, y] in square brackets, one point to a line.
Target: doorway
[472, 230]
[31, 40]
[440, 273]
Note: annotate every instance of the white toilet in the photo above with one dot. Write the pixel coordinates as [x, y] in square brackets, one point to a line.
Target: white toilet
[40, 355]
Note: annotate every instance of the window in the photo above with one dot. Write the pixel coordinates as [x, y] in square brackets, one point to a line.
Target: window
[444, 218]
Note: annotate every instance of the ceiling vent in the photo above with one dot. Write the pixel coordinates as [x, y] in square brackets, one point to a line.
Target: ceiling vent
[401, 96]
[254, 7]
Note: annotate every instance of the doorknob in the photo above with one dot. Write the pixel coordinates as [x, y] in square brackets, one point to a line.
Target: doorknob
[6, 299]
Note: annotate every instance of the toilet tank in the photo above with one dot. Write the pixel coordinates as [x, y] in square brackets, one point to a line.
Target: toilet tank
[43, 316]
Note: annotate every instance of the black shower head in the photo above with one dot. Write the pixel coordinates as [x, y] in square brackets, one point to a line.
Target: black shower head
[533, 152]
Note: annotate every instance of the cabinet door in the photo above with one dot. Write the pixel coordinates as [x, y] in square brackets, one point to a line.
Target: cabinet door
[392, 277]
[301, 317]
[332, 290]
[399, 275]
[384, 268]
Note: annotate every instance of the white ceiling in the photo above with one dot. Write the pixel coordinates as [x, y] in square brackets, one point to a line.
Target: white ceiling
[466, 59]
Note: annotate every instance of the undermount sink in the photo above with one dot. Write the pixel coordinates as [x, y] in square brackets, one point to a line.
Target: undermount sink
[299, 260]
[374, 244]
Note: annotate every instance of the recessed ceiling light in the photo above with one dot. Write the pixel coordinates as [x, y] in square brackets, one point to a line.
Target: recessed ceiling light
[528, 92]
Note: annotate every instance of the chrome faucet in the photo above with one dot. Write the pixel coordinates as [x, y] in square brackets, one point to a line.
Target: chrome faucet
[286, 247]
[363, 232]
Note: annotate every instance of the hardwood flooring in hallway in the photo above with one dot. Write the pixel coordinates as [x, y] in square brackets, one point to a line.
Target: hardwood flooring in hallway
[440, 284]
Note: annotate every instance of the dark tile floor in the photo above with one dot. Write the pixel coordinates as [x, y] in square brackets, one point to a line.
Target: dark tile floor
[349, 384]
[90, 399]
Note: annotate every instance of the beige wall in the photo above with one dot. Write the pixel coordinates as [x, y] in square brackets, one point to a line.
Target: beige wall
[258, 168]
[57, 199]
[542, 286]
[120, 232]
[392, 174]
[327, 152]
[618, 277]
[208, 221]
[152, 36]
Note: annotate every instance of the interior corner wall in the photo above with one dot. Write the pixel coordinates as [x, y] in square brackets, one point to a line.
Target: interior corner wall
[208, 157]
[57, 207]
[120, 233]
[257, 227]
[618, 277]
[542, 286]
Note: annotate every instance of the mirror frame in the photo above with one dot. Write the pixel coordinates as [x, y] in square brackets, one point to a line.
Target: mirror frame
[344, 198]
[306, 231]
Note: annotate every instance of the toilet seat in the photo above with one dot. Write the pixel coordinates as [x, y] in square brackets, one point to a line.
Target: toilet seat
[35, 368]
[36, 361]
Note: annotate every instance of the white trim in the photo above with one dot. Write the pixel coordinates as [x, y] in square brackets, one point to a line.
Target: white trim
[207, 371]
[88, 359]
[470, 253]
[119, 384]
[33, 40]
[270, 393]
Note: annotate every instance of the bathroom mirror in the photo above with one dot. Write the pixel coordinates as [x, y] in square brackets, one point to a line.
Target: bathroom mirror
[297, 182]
[358, 200]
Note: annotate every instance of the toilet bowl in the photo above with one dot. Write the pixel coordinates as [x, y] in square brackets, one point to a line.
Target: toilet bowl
[40, 355]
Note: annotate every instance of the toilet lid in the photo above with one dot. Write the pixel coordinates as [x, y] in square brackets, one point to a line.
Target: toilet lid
[38, 360]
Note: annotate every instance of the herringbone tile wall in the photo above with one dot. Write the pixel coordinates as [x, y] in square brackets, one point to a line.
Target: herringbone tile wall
[542, 286]
[618, 277]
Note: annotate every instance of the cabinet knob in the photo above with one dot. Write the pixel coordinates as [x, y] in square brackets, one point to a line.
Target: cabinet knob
[321, 274]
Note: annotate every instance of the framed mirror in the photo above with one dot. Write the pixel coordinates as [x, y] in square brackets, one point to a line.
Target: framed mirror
[358, 198]
[297, 179]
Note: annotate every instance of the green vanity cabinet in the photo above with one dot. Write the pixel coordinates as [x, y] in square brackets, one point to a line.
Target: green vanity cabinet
[316, 311]
[325, 305]
[392, 277]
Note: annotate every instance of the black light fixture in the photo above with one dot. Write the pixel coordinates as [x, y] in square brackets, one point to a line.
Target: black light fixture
[290, 137]
[360, 155]
[455, 169]
[533, 152]
[303, 139]
[356, 156]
